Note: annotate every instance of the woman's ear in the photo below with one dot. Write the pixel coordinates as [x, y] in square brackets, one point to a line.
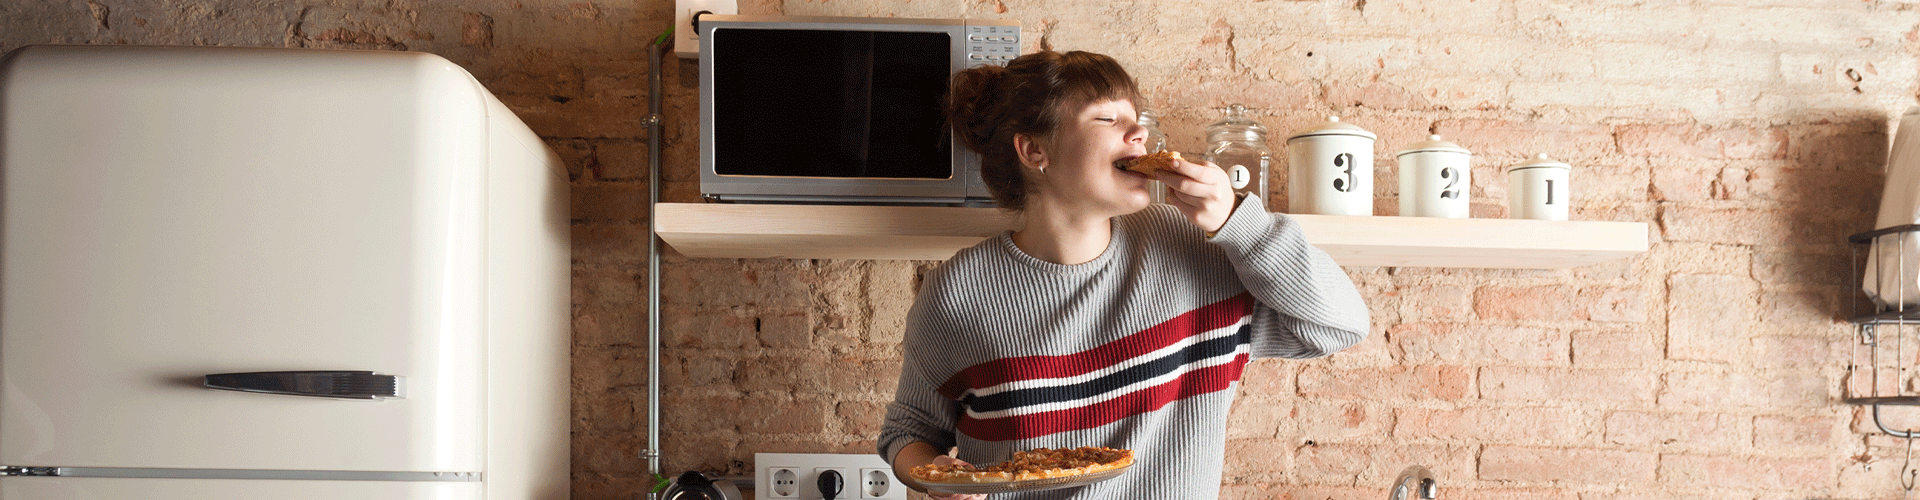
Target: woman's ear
[1032, 154]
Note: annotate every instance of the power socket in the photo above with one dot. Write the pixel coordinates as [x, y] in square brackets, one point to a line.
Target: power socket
[817, 483]
[863, 476]
[877, 483]
[780, 482]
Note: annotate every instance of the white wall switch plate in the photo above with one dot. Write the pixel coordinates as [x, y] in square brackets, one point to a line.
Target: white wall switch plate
[797, 476]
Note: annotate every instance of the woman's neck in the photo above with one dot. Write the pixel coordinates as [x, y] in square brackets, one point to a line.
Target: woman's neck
[1063, 237]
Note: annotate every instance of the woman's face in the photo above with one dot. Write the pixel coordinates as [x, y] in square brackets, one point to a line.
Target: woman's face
[1080, 175]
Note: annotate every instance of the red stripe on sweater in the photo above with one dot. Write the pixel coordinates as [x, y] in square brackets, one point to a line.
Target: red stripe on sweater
[1194, 383]
[1000, 371]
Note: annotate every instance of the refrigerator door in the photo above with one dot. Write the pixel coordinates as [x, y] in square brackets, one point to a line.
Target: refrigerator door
[169, 213]
[228, 489]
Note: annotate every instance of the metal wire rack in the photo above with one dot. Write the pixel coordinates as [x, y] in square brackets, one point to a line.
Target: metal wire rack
[1882, 325]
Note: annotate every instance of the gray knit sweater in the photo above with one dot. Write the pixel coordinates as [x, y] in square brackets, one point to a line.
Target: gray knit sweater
[1141, 348]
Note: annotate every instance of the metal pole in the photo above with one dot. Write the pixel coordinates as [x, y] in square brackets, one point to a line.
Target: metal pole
[652, 452]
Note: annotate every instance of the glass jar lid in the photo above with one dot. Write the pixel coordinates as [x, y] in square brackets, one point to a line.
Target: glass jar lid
[1236, 127]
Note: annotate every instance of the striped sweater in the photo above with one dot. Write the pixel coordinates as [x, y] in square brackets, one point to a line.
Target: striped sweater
[1141, 348]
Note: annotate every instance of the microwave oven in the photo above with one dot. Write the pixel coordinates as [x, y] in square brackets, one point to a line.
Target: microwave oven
[839, 109]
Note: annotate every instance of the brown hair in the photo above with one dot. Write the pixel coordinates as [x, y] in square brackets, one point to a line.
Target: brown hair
[1032, 95]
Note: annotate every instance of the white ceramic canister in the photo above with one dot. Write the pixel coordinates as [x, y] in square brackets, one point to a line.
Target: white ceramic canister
[1330, 170]
[1434, 179]
[1539, 189]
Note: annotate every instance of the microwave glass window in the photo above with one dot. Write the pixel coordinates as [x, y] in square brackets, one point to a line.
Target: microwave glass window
[803, 103]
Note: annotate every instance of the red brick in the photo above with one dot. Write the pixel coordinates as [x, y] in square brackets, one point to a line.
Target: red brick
[604, 311]
[853, 376]
[1806, 268]
[1858, 144]
[1700, 142]
[1505, 143]
[859, 418]
[1217, 93]
[1388, 383]
[1547, 302]
[1704, 311]
[1789, 312]
[609, 244]
[1599, 184]
[709, 328]
[1776, 474]
[1463, 344]
[1495, 425]
[1772, 432]
[1375, 95]
[1429, 302]
[1256, 419]
[1379, 464]
[1615, 305]
[1559, 384]
[1621, 348]
[1796, 351]
[1475, 493]
[1330, 421]
[1677, 184]
[779, 417]
[1720, 390]
[1269, 377]
[617, 451]
[808, 373]
[1727, 226]
[610, 201]
[1711, 431]
[1573, 466]
[1256, 457]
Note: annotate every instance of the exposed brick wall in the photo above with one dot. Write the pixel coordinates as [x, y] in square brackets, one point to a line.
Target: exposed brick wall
[1750, 135]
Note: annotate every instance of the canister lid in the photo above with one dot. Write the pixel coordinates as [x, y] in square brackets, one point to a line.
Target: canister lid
[1333, 126]
[1540, 161]
[1433, 144]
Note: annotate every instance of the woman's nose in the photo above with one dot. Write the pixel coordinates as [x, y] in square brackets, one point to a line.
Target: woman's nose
[1137, 134]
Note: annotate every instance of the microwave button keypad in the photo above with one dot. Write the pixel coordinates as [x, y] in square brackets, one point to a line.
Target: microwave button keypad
[992, 44]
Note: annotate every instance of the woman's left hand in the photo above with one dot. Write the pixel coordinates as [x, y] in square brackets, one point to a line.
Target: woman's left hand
[1201, 191]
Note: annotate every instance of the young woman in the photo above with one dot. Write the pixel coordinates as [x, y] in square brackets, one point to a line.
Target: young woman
[1103, 321]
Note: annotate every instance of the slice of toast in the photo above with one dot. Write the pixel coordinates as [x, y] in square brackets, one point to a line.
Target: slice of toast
[1149, 164]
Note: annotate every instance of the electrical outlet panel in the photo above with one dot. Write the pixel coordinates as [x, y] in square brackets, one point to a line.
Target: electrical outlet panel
[797, 476]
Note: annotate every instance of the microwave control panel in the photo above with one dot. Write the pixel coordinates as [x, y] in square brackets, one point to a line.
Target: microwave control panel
[989, 44]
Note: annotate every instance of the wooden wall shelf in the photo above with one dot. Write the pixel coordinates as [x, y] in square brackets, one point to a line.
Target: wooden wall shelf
[743, 231]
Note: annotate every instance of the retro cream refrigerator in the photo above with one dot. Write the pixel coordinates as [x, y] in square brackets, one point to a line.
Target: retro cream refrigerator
[231, 273]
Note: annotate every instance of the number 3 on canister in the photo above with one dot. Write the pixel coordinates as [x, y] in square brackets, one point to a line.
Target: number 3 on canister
[1345, 162]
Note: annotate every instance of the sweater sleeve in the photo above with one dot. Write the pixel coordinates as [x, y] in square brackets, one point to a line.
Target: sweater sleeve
[918, 411]
[1307, 307]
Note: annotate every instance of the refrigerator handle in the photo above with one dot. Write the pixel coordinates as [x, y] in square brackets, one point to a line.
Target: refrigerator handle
[343, 384]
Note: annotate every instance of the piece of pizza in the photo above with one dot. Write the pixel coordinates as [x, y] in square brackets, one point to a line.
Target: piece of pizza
[1150, 163]
[1039, 463]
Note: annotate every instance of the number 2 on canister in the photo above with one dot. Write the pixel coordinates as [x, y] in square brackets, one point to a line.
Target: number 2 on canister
[1448, 192]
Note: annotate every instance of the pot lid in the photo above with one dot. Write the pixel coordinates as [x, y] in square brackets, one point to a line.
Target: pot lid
[1333, 126]
[1433, 144]
[1541, 161]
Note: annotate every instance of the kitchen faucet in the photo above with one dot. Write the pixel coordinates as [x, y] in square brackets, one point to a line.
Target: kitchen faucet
[1417, 481]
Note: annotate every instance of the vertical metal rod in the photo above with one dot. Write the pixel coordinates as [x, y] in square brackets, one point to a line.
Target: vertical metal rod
[652, 453]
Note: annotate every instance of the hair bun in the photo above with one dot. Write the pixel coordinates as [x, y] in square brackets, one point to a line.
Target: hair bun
[970, 104]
